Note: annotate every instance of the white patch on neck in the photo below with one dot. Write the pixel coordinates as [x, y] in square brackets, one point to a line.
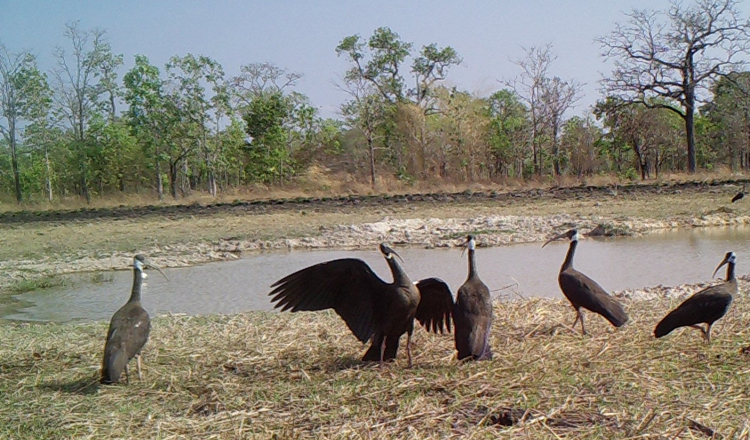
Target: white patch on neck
[138, 264]
[144, 275]
[575, 237]
[389, 256]
[472, 244]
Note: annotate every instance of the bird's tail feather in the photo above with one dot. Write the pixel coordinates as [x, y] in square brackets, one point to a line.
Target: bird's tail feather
[666, 325]
[113, 367]
[615, 313]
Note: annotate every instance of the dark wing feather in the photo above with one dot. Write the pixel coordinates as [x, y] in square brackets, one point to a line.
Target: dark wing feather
[472, 318]
[707, 306]
[584, 292]
[435, 306]
[128, 333]
[738, 196]
[347, 285]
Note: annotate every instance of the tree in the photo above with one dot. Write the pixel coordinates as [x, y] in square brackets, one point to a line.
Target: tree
[379, 62]
[24, 98]
[728, 114]
[508, 132]
[264, 119]
[557, 97]
[529, 87]
[259, 79]
[365, 112]
[81, 78]
[673, 55]
[190, 75]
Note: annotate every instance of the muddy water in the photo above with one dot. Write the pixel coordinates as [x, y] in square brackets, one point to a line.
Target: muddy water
[669, 258]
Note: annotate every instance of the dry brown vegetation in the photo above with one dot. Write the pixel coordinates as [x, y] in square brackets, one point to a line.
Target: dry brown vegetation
[268, 375]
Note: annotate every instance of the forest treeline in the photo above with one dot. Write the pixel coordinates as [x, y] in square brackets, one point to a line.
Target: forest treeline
[676, 100]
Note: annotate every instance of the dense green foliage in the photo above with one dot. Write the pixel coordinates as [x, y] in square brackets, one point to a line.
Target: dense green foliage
[79, 130]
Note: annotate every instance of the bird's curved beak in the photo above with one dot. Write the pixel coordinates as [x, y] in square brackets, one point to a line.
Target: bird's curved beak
[386, 250]
[151, 265]
[465, 246]
[556, 237]
[723, 262]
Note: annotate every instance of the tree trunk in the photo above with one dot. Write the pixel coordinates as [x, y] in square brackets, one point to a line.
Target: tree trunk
[14, 163]
[159, 181]
[371, 149]
[690, 130]
[49, 173]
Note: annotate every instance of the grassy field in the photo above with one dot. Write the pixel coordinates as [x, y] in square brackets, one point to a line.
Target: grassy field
[269, 375]
[265, 375]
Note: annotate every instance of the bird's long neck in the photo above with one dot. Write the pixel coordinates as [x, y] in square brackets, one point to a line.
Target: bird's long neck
[135, 295]
[399, 276]
[568, 263]
[472, 264]
[730, 272]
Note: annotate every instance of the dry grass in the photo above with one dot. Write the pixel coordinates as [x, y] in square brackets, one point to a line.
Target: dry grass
[268, 375]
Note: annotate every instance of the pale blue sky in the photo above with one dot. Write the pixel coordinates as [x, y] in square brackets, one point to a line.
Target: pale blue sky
[302, 35]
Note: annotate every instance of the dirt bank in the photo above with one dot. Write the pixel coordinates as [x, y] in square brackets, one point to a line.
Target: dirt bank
[95, 240]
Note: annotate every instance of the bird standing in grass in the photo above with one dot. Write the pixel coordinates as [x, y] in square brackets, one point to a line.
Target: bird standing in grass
[707, 306]
[472, 313]
[128, 329]
[584, 292]
[373, 309]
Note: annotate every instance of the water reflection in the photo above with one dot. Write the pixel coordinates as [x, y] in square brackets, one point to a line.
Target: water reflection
[669, 258]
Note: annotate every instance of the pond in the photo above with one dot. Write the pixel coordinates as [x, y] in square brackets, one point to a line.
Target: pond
[669, 258]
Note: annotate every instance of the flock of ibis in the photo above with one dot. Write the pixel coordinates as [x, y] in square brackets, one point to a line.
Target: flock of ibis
[381, 312]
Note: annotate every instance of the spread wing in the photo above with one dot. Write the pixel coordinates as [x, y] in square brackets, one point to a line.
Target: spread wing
[435, 307]
[347, 285]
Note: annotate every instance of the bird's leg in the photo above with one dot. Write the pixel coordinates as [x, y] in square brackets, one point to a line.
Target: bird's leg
[127, 374]
[708, 334]
[382, 352]
[705, 334]
[580, 316]
[138, 365]
[408, 347]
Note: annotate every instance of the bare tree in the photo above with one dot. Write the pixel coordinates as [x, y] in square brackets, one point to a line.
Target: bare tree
[365, 111]
[674, 55]
[260, 79]
[557, 97]
[81, 77]
[529, 87]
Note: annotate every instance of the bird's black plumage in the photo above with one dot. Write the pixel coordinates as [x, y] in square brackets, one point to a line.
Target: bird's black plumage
[583, 292]
[706, 306]
[128, 330]
[472, 314]
[739, 195]
[373, 309]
